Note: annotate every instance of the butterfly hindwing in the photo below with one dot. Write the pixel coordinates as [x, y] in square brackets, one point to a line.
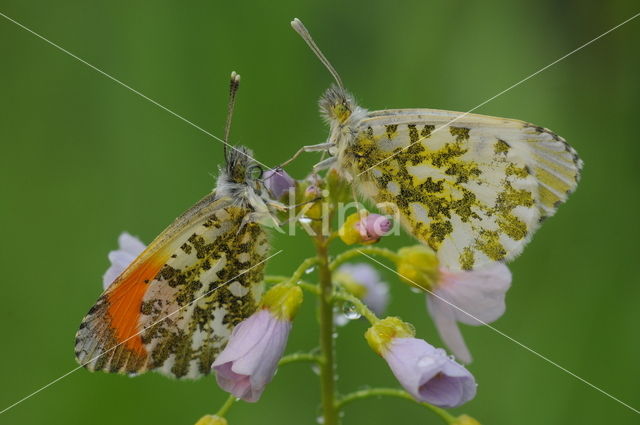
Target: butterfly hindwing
[474, 189]
[173, 308]
[215, 282]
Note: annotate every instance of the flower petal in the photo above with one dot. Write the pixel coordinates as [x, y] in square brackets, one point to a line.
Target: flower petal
[413, 361]
[450, 388]
[375, 292]
[130, 244]
[428, 374]
[278, 182]
[249, 361]
[480, 293]
[129, 247]
[444, 318]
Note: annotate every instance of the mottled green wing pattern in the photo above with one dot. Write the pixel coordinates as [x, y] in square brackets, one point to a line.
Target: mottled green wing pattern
[174, 308]
[214, 281]
[474, 190]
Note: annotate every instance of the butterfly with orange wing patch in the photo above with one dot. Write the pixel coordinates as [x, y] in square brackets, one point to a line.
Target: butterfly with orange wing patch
[174, 307]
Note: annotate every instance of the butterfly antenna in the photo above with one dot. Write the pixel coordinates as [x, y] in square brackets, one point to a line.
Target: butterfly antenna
[234, 85]
[304, 33]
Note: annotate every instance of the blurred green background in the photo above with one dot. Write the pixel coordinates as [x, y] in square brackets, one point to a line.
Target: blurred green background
[83, 159]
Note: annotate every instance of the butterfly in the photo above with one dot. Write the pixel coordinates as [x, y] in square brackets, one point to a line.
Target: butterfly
[474, 188]
[174, 307]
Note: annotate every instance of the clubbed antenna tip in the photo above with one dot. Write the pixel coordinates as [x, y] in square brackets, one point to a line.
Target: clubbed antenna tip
[299, 27]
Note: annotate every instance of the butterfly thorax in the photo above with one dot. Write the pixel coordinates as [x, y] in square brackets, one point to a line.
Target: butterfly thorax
[344, 116]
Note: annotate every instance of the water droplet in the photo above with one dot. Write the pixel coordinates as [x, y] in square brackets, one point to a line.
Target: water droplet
[320, 419]
[415, 290]
[305, 220]
[340, 320]
[426, 361]
[350, 311]
[310, 270]
[315, 369]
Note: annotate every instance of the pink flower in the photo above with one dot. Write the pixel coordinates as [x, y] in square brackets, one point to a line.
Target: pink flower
[480, 293]
[278, 182]
[373, 227]
[129, 248]
[364, 228]
[249, 361]
[363, 281]
[428, 374]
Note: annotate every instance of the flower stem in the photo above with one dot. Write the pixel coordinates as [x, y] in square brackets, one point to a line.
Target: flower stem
[372, 250]
[302, 269]
[310, 287]
[357, 302]
[327, 367]
[226, 406]
[393, 392]
[300, 357]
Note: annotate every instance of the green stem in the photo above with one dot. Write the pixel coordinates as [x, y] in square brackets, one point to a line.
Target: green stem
[354, 252]
[357, 302]
[311, 287]
[300, 357]
[275, 279]
[327, 367]
[302, 269]
[226, 406]
[392, 392]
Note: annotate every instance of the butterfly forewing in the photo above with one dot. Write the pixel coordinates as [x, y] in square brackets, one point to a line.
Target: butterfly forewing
[474, 190]
[173, 309]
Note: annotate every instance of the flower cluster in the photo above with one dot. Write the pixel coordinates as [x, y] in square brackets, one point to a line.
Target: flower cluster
[254, 349]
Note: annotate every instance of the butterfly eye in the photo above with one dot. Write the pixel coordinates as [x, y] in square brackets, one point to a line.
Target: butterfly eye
[255, 172]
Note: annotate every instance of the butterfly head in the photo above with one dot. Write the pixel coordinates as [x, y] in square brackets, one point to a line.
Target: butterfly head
[240, 167]
[337, 105]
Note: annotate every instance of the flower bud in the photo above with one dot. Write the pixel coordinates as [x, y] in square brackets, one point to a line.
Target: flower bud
[363, 281]
[418, 266]
[348, 232]
[211, 420]
[365, 228]
[465, 420]
[313, 202]
[373, 227]
[283, 300]
[278, 182]
[381, 333]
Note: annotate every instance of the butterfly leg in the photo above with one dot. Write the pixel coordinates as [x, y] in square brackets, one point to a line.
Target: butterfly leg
[310, 148]
[325, 164]
[263, 219]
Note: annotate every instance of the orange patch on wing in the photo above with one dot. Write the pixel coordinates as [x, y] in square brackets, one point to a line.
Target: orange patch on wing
[125, 300]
